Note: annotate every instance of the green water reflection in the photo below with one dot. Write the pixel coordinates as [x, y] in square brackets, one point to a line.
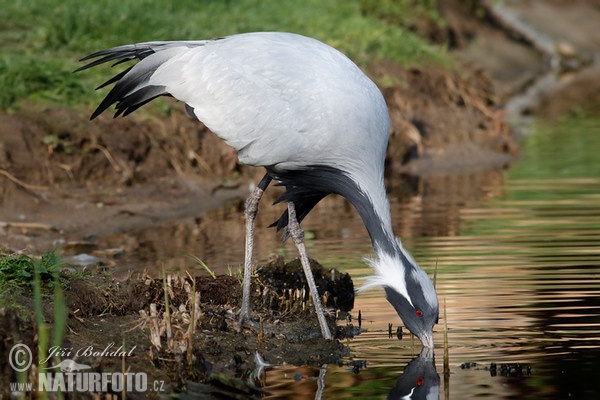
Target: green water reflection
[567, 148]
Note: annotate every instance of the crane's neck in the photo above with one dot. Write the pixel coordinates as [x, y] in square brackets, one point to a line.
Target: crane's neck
[364, 189]
[406, 285]
[368, 196]
[374, 208]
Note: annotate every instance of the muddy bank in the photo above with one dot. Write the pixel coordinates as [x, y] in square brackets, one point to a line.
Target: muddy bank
[541, 56]
[111, 322]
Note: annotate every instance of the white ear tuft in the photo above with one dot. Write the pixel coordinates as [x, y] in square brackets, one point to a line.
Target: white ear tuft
[390, 272]
[372, 280]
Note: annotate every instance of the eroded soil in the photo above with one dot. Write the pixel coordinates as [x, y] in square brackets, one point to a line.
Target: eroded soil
[111, 316]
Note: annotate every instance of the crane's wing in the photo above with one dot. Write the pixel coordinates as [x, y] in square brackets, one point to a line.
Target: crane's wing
[276, 98]
[283, 101]
[132, 90]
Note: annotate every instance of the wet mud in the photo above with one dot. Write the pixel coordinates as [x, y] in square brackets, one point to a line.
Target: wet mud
[131, 324]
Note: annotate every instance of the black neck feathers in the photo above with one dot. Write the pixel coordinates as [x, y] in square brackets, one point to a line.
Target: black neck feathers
[306, 187]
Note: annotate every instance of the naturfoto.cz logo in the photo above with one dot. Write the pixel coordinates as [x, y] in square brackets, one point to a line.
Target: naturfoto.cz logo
[71, 376]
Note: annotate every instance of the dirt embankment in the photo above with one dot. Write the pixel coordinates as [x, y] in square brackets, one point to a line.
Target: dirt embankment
[106, 316]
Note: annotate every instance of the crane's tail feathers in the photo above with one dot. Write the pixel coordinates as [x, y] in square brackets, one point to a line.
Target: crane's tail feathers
[305, 188]
[115, 78]
[304, 204]
[128, 52]
[120, 54]
[132, 88]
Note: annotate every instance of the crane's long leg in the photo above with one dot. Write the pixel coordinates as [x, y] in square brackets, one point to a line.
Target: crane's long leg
[297, 235]
[251, 209]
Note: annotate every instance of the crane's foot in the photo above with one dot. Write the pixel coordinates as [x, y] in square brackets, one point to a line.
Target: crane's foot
[260, 328]
[244, 321]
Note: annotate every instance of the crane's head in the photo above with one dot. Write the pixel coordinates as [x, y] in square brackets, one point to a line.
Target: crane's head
[409, 290]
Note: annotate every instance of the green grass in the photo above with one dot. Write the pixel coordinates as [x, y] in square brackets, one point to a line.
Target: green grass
[18, 277]
[19, 269]
[41, 41]
[23, 275]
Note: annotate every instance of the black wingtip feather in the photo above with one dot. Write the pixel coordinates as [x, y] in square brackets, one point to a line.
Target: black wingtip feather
[131, 89]
[137, 99]
[115, 78]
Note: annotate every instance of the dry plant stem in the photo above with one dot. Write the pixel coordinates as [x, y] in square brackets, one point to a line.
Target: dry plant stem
[261, 332]
[297, 235]
[167, 312]
[154, 327]
[26, 225]
[113, 163]
[190, 344]
[19, 182]
[446, 353]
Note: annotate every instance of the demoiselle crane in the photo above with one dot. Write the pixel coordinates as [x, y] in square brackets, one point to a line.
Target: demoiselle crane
[310, 117]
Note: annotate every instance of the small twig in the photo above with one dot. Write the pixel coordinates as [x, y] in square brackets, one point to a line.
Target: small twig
[77, 317]
[136, 324]
[193, 313]
[167, 311]
[154, 327]
[108, 156]
[26, 225]
[68, 169]
[19, 182]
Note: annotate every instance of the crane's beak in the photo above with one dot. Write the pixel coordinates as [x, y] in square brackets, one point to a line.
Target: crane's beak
[427, 339]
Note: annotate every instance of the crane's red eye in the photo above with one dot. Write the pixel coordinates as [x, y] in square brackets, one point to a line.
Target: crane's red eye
[419, 381]
[419, 313]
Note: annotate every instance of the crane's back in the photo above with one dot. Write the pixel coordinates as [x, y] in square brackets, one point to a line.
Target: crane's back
[279, 99]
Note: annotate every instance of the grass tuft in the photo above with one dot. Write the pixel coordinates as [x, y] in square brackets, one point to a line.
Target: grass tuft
[18, 270]
[203, 265]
